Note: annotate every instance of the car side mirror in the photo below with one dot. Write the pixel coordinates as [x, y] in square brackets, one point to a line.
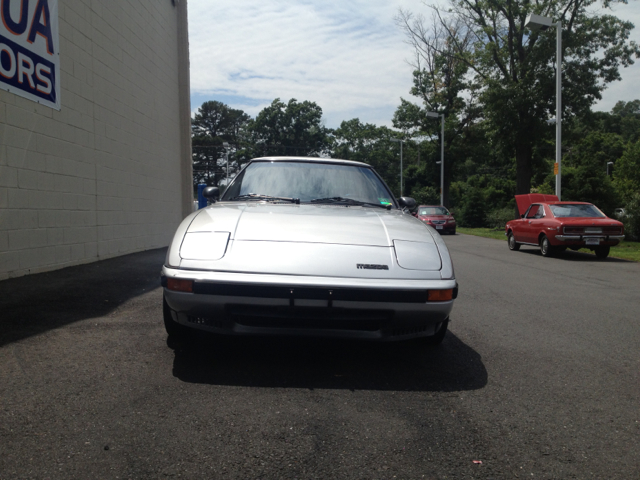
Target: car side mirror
[408, 202]
[211, 193]
[522, 216]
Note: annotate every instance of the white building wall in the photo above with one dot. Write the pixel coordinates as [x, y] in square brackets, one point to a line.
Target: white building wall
[108, 174]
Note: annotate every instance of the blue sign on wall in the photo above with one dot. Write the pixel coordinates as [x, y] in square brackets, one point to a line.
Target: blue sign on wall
[29, 50]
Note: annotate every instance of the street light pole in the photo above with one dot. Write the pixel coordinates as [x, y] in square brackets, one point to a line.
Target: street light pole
[401, 142]
[559, 107]
[535, 23]
[436, 115]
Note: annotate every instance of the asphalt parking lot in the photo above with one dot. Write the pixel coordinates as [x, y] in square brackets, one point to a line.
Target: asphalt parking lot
[537, 378]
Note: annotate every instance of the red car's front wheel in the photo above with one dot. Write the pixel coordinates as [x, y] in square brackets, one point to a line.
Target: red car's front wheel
[513, 245]
[545, 247]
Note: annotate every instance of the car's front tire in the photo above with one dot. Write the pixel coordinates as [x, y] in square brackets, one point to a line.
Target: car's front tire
[173, 328]
[513, 245]
[602, 252]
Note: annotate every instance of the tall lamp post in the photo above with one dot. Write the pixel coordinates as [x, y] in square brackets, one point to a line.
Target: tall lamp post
[535, 23]
[401, 142]
[441, 115]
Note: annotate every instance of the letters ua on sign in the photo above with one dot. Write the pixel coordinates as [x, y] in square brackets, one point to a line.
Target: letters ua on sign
[29, 56]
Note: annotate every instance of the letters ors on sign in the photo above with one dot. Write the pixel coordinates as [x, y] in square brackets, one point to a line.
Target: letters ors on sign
[29, 52]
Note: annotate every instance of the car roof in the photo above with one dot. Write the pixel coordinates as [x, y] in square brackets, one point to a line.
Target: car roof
[336, 161]
[430, 206]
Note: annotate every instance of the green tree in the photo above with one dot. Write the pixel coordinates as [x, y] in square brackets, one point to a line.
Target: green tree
[370, 144]
[439, 79]
[584, 176]
[626, 172]
[293, 128]
[628, 115]
[473, 212]
[513, 68]
[214, 124]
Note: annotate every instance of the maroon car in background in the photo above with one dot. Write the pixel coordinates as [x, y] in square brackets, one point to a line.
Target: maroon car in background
[437, 217]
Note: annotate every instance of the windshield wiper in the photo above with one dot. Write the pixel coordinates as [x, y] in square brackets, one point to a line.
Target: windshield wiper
[257, 196]
[348, 201]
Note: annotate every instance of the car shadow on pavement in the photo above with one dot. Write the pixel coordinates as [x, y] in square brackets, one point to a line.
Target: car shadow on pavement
[572, 256]
[34, 304]
[328, 364]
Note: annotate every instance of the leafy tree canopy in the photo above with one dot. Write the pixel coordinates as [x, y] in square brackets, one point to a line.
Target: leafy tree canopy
[293, 128]
[511, 69]
[215, 123]
[626, 172]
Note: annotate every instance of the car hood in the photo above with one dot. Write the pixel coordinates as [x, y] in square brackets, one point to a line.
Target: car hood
[311, 224]
[316, 240]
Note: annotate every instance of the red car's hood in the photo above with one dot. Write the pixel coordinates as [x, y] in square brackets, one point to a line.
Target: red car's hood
[524, 201]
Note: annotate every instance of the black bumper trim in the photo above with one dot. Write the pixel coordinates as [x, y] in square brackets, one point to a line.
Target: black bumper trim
[312, 293]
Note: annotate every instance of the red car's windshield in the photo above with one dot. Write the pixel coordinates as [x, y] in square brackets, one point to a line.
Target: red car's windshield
[433, 211]
[575, 210]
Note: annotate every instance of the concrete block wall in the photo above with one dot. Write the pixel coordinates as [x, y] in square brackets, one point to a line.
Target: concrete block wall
[110, 173]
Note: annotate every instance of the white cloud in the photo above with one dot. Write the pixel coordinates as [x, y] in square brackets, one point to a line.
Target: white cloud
[347, 56]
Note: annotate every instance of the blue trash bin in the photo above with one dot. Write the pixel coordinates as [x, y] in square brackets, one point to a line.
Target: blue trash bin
[202, 202]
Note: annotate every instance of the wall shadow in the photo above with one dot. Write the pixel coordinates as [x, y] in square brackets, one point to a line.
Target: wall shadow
[33, 304]
[328, 364]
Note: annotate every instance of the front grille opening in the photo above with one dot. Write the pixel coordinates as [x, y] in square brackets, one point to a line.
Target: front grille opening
[400, 332]
[208, 321]
[309, 318]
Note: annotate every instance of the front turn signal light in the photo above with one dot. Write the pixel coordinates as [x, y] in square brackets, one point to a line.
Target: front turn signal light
[440, 295]
[179, 285]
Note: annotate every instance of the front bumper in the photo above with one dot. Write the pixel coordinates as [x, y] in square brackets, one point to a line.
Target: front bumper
[443, 227]
[252, 304]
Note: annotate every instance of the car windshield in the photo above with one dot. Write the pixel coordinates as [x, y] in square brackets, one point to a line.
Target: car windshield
[307, 181]
[575, 210]
[433, 211]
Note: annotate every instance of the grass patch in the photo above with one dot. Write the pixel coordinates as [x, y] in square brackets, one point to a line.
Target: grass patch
[625, 250]
[483, 232]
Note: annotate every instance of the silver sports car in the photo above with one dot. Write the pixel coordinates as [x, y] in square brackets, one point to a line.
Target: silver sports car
[308, 246]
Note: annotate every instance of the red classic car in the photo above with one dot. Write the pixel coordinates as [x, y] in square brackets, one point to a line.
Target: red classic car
[555, 226]
[437, 217]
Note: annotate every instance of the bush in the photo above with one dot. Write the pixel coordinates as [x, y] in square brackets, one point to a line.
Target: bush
[499, 217]
[631, 219]
[472, 214]
[426, 196]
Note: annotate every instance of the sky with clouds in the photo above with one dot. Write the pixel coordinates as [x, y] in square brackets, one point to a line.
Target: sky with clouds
[347, 56]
